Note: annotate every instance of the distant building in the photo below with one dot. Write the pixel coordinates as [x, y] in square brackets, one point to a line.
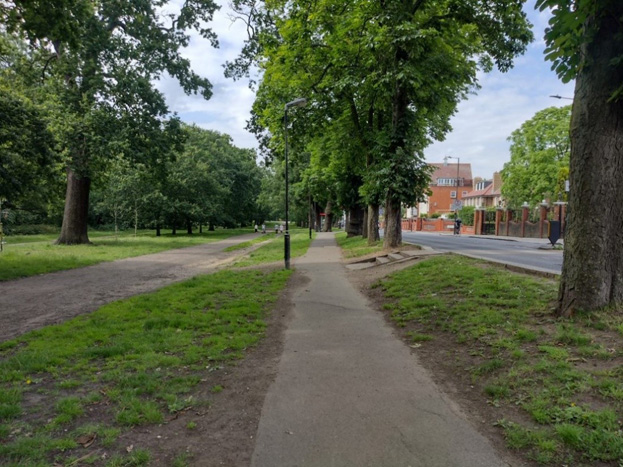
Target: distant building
[486, 193]
[450, 183]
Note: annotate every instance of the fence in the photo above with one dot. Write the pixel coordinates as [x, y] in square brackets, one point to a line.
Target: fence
[503, 222]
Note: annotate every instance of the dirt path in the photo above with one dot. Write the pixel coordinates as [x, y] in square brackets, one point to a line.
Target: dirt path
[34, 302]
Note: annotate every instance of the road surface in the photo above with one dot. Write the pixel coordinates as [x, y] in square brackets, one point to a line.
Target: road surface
[517, 252]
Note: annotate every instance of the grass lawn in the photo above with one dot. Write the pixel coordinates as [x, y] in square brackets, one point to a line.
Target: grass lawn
[30, 255]
[354, 247]
[554, 387]
[133, 362]
[274, 250]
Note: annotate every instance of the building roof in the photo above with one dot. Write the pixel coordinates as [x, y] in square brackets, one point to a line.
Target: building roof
[443, 170]
[485, 192]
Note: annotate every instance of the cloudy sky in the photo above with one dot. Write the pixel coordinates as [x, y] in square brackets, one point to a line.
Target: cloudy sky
[480, 127]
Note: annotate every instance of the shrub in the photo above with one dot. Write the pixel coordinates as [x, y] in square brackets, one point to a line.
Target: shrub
[467, 215]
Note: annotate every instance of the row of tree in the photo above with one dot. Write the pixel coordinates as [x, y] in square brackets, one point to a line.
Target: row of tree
[77, 79]
[210, 182]
[79, 110]
[382, 79]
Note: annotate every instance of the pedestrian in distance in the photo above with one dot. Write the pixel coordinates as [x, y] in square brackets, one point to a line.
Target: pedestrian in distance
[255, 228]
[280, 228]
[263, 228]
[276, 228]
[457, 225]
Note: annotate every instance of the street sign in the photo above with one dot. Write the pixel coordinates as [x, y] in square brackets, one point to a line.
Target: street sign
[457, 205]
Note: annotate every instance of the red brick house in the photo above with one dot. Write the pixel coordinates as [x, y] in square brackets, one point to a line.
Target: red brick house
[449, 183]
[486, 194]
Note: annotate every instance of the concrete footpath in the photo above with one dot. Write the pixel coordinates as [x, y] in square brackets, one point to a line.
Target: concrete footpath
[350, 393]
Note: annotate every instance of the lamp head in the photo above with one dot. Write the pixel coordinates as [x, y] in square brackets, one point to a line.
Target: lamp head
[300, 102]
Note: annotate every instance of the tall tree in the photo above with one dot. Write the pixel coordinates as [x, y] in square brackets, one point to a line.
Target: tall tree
[585, 42]
[398, 67]
[29, 161]
[539, 164]
[104, 55]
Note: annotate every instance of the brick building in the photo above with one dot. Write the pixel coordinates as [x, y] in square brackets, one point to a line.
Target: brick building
[449, 183]
[486, 194]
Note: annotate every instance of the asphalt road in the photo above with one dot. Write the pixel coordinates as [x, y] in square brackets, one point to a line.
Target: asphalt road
[516, 252]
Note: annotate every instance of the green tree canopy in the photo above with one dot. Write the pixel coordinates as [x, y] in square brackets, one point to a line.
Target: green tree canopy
[397, 69]
[102, 58]
[539, 164]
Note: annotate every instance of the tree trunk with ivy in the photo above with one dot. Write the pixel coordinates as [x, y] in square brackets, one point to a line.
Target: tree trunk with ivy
[592, 274]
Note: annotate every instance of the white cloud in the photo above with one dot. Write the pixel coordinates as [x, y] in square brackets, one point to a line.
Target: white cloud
[230, 105]
[481, 126]
[506, 100]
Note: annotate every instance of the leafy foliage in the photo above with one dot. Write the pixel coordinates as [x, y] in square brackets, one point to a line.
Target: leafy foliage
[572, 26]
[539, 163]
[383, 79]
[100, 59]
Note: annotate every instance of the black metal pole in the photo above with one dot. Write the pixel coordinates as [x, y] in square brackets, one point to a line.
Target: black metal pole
[310, 215]
[286, 237]
[458, 164]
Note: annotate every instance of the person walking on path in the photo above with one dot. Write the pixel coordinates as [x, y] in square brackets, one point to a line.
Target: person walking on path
[349, 393]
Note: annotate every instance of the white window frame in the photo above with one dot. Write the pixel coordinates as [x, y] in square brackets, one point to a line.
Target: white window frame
[453, 194]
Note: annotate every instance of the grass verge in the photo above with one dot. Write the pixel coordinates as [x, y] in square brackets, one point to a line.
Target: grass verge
[274, 250]
[355, 247]
[80, 384]
[23, 258]
[554, 387]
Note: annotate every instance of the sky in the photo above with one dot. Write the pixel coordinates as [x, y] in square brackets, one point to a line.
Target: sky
[481, 124]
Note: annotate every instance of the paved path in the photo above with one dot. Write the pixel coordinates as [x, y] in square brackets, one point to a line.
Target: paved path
[349, 393]
[38, 301]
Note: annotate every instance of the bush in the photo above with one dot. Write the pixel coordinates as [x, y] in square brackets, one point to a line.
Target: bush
[467, 215]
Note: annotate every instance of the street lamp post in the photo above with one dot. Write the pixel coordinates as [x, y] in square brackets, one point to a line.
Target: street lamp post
[300, 102]
[458, 165]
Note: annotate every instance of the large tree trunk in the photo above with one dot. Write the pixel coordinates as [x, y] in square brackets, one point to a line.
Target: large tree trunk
[393, 224]
[328, 217]
[592, 273]
[364, 229]
[75, 216]
[373, 224]
[354, 224]
[211, 228]
[158, 233]
[189, 227]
